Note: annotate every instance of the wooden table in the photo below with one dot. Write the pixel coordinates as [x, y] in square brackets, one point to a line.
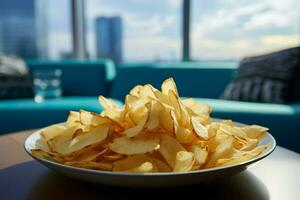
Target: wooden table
[276, 177]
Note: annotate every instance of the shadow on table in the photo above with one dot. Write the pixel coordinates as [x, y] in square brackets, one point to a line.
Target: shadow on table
[241, 186]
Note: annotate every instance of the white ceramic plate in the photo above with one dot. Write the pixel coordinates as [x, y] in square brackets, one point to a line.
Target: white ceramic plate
[149, 179]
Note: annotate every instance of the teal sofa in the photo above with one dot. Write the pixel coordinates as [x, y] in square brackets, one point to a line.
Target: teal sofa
[204, 81]
[82, 82]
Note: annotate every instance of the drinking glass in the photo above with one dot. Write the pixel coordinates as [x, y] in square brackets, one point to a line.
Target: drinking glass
[47, 84]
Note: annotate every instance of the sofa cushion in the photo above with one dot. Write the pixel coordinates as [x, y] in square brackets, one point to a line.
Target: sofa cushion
[281, 119]
[265, 78]
[24, 114]
[15, 80]
[191, 82]
[81, 78]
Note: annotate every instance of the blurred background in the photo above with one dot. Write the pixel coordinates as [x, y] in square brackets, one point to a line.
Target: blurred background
[223, 30]
[242, 57]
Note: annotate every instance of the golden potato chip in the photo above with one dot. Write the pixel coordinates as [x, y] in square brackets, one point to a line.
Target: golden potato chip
[146, 167]
[184, 161]
[227, 122]
[203, 119]
[201, 154]
[165, 120]
[89, 154]
[196, 107]
[241, 157]
[111, 110]
[135, 163]
[161, 165]
[201, 130]
[153, 121]
[147, 91]
[92, 119]
[39, 153]
[73, 119]
[136, 90]
[233, 131]
[254, 131]
[223, 150]
[96, 135]
[174, 101]
[169, 147]
[143, 143]
[52, 131]
[183, 135]
[113, 157]
[212, 129]
[162, 98]
[169, 85]
[134, 131]
[154, 131]
[251, 144]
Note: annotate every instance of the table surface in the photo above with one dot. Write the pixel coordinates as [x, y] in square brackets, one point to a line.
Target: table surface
[275, 177]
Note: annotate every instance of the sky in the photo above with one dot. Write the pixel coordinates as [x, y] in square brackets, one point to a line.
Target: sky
[220, 29]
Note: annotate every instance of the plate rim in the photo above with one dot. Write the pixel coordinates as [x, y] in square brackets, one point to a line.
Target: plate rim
[270, 149]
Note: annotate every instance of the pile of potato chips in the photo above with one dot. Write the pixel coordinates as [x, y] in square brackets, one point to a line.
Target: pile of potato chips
[155, 131]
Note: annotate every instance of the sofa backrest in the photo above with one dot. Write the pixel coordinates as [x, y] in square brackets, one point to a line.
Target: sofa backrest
[80, 78]
[206, 82]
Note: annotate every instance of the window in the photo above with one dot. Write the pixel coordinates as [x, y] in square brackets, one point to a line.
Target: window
[59, 29]
[232, 29]
[139, 30]
[35, 29]
[144, 30]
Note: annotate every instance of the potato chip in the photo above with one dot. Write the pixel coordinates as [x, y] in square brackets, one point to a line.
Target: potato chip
[169, 85]
[254, 131]
[201, 130]
[161, 165]
[146, 167]
[223, 150]
[153, 121]
[169, 147]
[184, 161]
[201, 154]
[73, 119]
[241, 157]
[147, 91]
[165, 120]
[51, 132]
[136, 163]
[183, 135]
[113, 157]
[196, 107]
[251, 144]
[134, 131]
[143, 143]
[154, 131]
[111, 110]
[93, 119]
[96, 135]
[136, 90]
[233, 131]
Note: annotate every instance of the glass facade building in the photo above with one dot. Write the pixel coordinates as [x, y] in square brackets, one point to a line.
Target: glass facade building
[19, 29]
[109, 38]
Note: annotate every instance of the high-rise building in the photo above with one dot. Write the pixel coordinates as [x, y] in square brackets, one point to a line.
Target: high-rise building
[19, 27]
[109, 38]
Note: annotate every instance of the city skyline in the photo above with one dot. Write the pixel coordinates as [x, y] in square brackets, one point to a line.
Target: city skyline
[22, 28]
[224, 29]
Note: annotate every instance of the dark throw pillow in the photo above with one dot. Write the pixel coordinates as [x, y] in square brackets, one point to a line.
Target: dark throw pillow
[15, 80]
[266, 78]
